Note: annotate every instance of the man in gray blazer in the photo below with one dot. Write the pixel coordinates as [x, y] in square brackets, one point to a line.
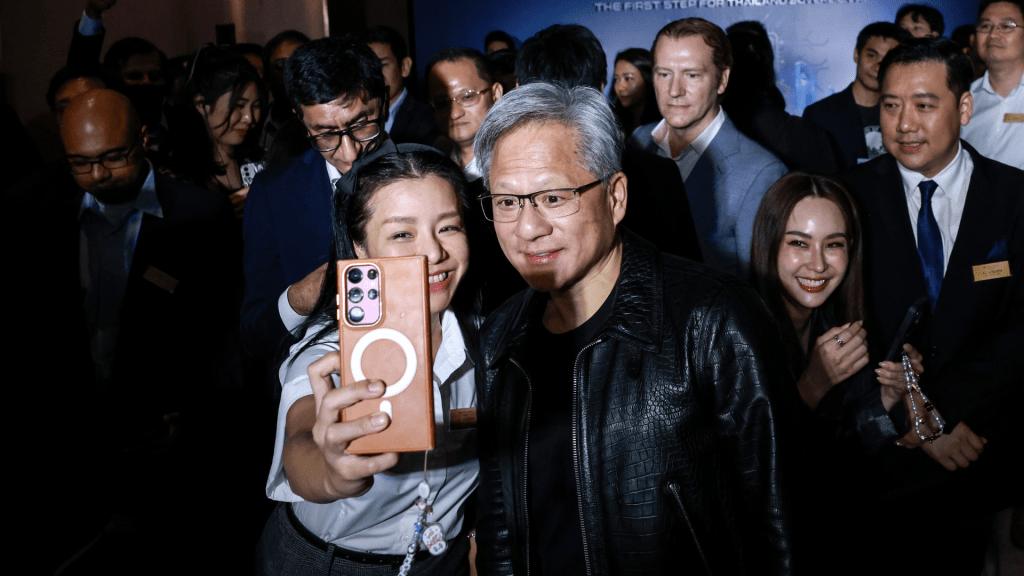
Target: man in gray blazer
[726, 174]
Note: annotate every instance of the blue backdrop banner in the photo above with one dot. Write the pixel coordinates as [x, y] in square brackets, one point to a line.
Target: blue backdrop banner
[813, 39]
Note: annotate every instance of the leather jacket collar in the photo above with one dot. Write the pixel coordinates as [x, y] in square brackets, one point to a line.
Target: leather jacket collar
[637, 308]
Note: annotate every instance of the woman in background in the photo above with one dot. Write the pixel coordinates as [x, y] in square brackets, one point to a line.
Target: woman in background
[633, 90]
[214, 141]
[806, 262]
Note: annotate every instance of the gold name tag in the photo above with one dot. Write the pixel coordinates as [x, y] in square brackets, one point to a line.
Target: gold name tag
[462, 418]
[1013, 118]
[993, 270]
[161, 279]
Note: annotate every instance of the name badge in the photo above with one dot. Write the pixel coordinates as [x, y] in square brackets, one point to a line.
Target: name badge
[991, 271]
[161, 279]
[1013, 118]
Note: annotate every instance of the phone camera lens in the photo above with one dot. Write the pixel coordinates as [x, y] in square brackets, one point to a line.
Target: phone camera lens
[371, 274]
[355, 295]
[372, 294]
[356, 314]
[355, 275]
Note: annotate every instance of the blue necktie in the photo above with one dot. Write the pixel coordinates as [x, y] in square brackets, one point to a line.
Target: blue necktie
[929, 241]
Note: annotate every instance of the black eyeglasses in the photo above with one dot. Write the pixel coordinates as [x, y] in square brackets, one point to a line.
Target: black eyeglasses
[329, 141]
[110, 160]
[467, 99]
[555, 203]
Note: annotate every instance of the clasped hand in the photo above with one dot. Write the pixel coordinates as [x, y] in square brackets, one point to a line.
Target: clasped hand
[837, 355]
[347, 475]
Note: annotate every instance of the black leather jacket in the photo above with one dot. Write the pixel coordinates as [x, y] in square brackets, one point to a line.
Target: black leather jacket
[675, 438]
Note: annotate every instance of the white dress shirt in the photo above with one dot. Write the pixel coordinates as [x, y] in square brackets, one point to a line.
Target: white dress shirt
[688, 158]
[947, 201]
[381, 521]
[996, 128]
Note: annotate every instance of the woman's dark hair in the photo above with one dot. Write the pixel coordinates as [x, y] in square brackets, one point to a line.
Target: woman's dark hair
[847, 302]
[214, 72]
[351, 215]
[499, 36]
[644, 62]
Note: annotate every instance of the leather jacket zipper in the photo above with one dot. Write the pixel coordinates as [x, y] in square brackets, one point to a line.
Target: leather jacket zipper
[674, 488]
[575, 449]
[526, 461]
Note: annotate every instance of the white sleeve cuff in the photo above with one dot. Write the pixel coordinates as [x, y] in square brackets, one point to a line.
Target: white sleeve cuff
[89, 27]
[290, 317]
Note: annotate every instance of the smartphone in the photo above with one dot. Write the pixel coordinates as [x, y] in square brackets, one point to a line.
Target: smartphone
[384, 333]
[911, 322]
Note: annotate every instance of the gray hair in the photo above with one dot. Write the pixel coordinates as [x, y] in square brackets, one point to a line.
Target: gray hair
[599, 140]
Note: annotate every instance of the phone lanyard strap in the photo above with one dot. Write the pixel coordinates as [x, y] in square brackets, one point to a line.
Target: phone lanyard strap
[429, 535]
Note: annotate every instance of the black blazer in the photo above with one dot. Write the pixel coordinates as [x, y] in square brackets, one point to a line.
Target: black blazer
[414, 123]
[973, 343]
[85, 50]
[838, 115]
[657, 207]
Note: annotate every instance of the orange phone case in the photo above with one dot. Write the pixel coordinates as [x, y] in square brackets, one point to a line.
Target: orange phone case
[395, 348]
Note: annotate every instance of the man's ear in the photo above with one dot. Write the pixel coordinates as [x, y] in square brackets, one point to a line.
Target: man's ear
[966, 107]
[723, 81]
[618, 196]
[497, 90]
[856, 56]
[406, 66]
[144, 136]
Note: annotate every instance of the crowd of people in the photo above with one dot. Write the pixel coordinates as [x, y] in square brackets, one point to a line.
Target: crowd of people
[698, 333]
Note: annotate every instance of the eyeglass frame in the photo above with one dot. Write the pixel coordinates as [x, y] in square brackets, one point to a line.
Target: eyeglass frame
[123, 155]
[447, 101]
[1001, 27]
[379, 121]
[522, 197]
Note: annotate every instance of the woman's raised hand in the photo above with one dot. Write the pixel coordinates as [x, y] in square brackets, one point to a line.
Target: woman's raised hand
[347, 475]
[837, 355]
[893, 379]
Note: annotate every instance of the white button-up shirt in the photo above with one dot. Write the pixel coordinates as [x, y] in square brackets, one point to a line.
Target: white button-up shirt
[947, 201]
[996, 128]
[688, 158]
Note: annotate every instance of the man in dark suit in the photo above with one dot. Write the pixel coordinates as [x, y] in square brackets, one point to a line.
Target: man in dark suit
[409, 120]
[337, 90]
[851, 116]
[132, 317]
[943, 221]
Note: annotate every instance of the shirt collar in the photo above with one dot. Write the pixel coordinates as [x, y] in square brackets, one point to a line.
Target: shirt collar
[451, 355]
[473, 171]
[660, 136]
[333, 173]
[986, 84]
[946, 178]
[398, 103]
[146, 201]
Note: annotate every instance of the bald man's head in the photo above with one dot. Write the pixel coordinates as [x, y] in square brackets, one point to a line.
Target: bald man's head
[105, 144]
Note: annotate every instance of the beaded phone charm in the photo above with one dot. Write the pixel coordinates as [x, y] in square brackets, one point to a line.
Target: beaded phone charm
[429, 535]
[935, 423]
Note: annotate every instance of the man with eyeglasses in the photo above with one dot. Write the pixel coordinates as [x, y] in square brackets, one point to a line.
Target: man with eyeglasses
[461, 92]
[131, 304]
[997, 128]
[631, 401]
[338, 92]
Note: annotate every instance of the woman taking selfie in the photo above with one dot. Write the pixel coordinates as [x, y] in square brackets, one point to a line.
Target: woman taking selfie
[214, 142]
[347, 513]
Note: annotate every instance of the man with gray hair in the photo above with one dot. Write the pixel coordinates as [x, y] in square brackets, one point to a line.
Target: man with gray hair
[629, 399]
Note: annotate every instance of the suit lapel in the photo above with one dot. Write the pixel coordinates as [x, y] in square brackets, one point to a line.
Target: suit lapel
[892, 209]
